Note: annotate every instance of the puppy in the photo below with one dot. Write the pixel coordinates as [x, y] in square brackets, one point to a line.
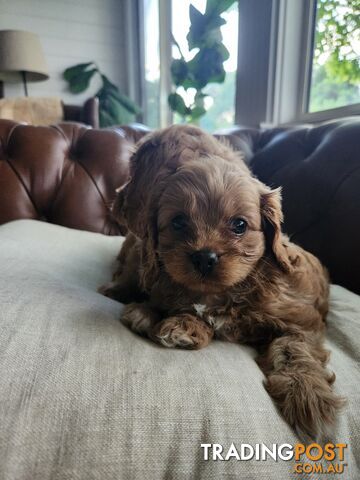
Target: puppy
[205, 258]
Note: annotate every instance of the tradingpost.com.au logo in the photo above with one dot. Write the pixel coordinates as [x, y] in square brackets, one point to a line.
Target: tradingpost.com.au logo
[312, 458]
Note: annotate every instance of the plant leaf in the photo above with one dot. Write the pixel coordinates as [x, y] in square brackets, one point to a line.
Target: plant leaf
[125, 101]
[197, 112]
[105, 119]
[207, 66]
[81, 82]
[107, 84]
[110, 88]
[205, 31]
[197, 27]
[179, 71]
[199, 99]
[76, 70]
[216, 7]
[177, 104]
[115, 109]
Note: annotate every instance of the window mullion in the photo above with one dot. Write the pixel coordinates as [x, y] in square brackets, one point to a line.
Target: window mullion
[291, 60]
[165, 61]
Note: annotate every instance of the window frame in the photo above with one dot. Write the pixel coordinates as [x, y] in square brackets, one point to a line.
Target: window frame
[165, 43]
[294, 53]
[275, 56]
[133, 26]
[165, 46]
[276, 72]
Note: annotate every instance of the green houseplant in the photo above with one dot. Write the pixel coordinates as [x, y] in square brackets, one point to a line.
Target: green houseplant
[114, 106]
[206, 66]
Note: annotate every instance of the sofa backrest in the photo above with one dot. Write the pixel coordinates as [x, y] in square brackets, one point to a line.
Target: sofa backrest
[67, 174]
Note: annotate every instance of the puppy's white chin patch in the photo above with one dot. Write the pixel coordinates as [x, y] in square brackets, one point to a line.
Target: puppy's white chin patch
[199, 309]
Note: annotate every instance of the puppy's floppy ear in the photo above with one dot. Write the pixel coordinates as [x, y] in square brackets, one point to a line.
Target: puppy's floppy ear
[131, 205]
[156, 158]
[144, 224]
[149, 258]
[272, 217]
[117, 207]
[136, 204]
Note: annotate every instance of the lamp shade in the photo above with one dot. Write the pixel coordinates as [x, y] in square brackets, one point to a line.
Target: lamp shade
[21, 52]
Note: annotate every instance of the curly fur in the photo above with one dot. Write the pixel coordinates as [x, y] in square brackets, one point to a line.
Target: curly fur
[265, 291]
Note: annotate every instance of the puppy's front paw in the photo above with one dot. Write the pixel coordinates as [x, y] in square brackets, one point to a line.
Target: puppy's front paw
[307, 401]
[108, 290]
[123, 294]
[139, 317]
[182, 331]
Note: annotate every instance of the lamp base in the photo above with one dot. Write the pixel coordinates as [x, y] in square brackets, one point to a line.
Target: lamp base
[23, 74]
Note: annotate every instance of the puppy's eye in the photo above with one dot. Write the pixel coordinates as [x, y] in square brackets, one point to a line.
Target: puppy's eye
[238, 226]
[179, 222]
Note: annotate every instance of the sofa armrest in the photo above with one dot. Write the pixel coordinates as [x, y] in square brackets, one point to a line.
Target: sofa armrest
[87, 113]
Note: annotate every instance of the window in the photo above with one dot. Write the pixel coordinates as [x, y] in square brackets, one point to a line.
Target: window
[220, 104]
[160, 24]
[303, 65]
[299, 60]
[335, 79]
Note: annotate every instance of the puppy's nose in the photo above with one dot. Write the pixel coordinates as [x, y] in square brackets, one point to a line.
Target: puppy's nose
[204, 261]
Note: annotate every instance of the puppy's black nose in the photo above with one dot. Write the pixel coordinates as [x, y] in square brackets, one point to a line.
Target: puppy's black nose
[204, 261]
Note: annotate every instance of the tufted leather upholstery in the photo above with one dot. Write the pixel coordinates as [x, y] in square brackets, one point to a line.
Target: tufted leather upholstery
[67, 175]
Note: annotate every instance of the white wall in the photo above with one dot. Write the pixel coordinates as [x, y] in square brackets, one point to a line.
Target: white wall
[71, 32]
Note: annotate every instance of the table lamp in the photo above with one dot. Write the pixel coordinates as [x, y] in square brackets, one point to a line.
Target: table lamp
[21, 57]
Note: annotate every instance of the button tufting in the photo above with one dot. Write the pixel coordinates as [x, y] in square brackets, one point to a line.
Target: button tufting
[65, 174]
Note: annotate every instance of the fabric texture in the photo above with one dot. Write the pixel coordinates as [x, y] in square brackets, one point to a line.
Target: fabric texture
[32, 110]
[82, 397]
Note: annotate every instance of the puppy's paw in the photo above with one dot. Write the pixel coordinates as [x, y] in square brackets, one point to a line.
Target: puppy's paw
[123, 294]
[182, 331]
[139, 317]
[108, 290]
[306, 401]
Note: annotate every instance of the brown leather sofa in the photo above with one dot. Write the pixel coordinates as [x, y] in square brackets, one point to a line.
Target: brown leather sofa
[81, 396]
[87, 113]
[67, 175]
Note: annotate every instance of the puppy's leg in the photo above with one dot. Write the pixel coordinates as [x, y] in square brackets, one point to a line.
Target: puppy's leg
[140, 318]
[124, 286]
[296, 378]
[182, 331]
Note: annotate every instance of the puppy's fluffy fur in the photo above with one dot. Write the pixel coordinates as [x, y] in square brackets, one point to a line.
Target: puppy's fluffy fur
[187, 194]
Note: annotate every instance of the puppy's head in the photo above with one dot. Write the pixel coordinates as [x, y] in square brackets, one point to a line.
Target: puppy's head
[201, 215]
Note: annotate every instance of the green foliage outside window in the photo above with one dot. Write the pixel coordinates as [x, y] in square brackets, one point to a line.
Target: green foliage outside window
[336, 80]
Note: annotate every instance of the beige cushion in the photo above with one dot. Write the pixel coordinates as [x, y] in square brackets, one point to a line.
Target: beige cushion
[81, 397]
[32, 110]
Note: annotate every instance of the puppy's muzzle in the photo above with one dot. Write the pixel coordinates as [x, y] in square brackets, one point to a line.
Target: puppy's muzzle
[204, 261]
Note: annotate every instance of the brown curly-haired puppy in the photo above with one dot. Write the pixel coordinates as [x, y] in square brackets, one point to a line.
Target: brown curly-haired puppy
[206, 258]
